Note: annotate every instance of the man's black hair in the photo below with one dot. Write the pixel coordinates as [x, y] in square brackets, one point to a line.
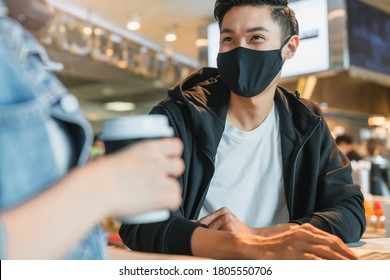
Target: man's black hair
[345, 138]
[281, 13]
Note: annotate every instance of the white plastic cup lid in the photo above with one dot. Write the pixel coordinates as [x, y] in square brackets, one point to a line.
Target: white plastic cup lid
[136, 127]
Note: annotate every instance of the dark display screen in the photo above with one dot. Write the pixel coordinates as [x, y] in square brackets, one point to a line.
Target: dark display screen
[369, 37]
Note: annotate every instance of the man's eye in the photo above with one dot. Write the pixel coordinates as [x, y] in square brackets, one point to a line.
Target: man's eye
[227, 39]
[256, 38]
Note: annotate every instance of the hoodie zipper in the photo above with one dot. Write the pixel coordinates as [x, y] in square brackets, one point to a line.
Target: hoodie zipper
[294, 166]
[212, 160]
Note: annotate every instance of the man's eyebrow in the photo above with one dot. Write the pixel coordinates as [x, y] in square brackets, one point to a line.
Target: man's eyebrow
[257, 28]
[227, 30]
[250, 30]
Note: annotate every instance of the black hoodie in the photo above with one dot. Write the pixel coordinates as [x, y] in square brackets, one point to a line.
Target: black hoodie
[317, 176]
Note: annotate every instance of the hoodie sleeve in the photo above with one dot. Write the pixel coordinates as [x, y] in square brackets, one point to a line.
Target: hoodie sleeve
[339, 202]
[172, 236]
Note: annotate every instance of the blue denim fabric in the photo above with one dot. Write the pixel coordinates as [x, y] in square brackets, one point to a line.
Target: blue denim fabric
[30, 96]
[3, 9]
[3, 243]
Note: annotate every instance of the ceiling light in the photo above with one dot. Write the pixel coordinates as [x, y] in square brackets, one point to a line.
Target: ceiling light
[134, 23]
[376, 120]
[201, 43]
[97, 31]
[110, 52]
[119, 106]
[87, 30]
[170, 37]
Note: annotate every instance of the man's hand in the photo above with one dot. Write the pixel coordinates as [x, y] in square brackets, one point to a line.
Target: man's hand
[304, 242]
[224, 219]
[283, 241]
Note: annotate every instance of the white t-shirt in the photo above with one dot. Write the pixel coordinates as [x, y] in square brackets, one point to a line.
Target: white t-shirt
[248, 176]
[61, 145]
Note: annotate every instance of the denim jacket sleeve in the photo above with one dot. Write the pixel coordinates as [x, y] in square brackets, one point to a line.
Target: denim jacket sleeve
[3, 9]
[29, 97]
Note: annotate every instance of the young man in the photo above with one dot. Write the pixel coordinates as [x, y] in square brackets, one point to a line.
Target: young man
[254, 149]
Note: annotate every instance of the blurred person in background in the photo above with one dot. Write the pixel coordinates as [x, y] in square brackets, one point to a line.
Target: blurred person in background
[380, 167]
[373, 147]
[51, 202]
[346, 144]
[264, 178]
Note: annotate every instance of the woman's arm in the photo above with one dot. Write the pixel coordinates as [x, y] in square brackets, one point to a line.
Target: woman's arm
[138, 179]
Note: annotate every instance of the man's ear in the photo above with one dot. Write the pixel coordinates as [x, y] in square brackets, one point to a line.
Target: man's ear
[290, 48]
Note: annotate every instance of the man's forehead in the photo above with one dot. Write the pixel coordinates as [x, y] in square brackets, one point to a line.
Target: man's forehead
[250, 18]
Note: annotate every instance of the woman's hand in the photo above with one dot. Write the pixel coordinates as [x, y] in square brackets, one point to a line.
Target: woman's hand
[143, 177]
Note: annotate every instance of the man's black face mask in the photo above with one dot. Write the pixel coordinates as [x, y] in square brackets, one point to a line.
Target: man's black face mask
[249, 72]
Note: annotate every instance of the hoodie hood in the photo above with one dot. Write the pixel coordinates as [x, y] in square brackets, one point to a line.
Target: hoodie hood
[207, 99]
[203, 90]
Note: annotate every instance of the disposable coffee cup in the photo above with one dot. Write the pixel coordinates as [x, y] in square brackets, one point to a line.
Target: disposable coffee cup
[122, 132]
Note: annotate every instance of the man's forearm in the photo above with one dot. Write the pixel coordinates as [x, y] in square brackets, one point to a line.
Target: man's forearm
[273, 230]
[215, 244]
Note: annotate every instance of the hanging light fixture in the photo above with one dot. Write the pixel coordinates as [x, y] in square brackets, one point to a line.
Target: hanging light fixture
[119, 106]
[87, 30]
[202, 41]
[171, 36]
[134, 23]
[376, 120]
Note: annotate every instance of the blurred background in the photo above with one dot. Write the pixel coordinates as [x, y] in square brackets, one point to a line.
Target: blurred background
[121, 56]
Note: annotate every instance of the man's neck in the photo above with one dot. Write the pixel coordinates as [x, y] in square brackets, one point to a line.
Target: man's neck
[249, 113]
